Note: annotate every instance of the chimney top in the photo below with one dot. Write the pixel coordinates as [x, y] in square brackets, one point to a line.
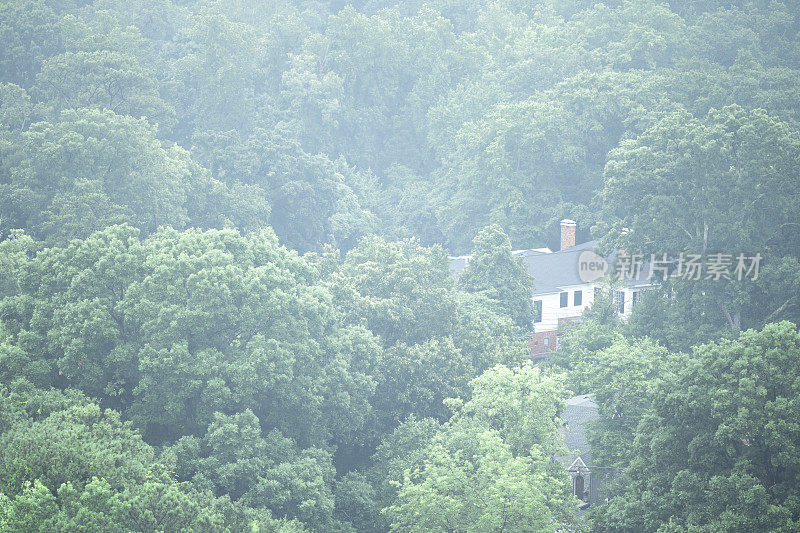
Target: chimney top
[567, 233]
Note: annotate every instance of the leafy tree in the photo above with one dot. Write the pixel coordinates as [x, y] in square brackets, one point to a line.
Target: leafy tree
[723, 184]
[120, 154]
[356, 502]
[213, 79]
[678, 323]
[15, 106]
[716, 450]
[399, 290]
[82, 210]
[399, 450]
[521, 403]
[376, 139]
[622, 379]
[68, 465]
[517, 162]
[493, 271]
[176, 327]
[418, 378]
[105, 79]
[30, 32]
[634, 35]
[597, 330]
[269, 472]
[482, 472]
[730, 190]
[436, 338]
[73, 444]
[312, 200]
[471, 482]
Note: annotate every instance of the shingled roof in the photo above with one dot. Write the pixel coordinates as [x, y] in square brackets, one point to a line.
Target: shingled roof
[578, 411]
[550, 270]
[553, 270]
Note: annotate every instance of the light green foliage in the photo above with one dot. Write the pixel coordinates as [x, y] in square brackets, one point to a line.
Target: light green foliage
[521, 404]
[471, 482]
[402, 449]
[491, 467]
[72, 445]
[180, 325]
[622, 378]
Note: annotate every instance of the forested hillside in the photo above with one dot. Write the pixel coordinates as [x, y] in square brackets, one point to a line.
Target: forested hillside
[225, 297]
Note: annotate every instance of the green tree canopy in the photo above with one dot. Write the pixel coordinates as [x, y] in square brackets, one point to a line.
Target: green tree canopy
[493, 271]
[491, 467]
[717, 450]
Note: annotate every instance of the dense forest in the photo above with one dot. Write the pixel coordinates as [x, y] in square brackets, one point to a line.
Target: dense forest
[225, 297]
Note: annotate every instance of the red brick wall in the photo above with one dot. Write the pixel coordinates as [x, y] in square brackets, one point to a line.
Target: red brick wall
[539, 346]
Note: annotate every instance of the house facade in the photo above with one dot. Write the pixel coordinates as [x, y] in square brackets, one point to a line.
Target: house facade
[564, 288]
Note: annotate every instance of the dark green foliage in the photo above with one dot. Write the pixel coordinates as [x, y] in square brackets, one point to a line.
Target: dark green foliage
[66, 464]
[436, 338]
[29, 31]
[495, 273]
[725, 183]
[268, 472]
[717, 451]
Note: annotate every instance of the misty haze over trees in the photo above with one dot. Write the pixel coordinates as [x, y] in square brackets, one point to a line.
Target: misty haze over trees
[226, 298]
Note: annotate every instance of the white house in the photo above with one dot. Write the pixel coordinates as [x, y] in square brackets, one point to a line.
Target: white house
[561, 293]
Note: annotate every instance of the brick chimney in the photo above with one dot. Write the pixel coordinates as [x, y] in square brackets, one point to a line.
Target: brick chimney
[567, 233]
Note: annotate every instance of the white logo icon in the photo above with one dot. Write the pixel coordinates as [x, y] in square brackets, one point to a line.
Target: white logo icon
[591, 266]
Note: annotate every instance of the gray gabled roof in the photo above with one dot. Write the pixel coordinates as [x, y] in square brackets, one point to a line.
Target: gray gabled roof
[551, 271]
[577, 413]
[642, 278]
